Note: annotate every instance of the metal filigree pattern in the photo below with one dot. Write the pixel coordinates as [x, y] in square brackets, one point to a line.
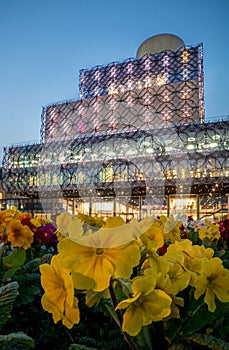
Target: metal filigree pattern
[160, 89]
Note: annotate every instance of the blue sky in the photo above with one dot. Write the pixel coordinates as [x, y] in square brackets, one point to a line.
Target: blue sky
[44, 44]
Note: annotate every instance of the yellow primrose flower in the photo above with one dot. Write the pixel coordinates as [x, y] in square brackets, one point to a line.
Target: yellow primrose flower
[213, 282]
[59, 293]
[175, 311]
[19, 235]
[147, 305]
[157, 263]
[98, 264]
[172, 230]
[153, 237]
[170, 277]
[191, 254]
[209, 230]
[179, 277]
[165, 283]
[108, 252]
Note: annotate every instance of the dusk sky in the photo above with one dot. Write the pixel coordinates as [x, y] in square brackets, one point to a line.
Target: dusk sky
[44, 44]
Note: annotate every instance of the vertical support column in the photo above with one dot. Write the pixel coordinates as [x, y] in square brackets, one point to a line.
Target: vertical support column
[73, 206]
[198, 207]
[140, 207]
[90, 206]
[168, 206]
[228, 206]
[114, 206]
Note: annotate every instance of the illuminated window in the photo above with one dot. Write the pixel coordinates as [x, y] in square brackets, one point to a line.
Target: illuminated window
[161, 79]
[190, 147]
[185, 55]
[139, 84]
[108, 174]
[148, 82]
[32, 181]
[112, 90]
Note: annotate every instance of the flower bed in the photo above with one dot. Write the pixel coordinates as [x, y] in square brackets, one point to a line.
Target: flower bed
[86, 282]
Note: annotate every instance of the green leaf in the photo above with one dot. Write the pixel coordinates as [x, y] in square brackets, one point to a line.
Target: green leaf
[33, 265]
[209, 341]
[79, 347]
[111, 311]
[177, 347]
[15, 260]
[172, 328]
[203, 317]
[8, 294]
[18, 337]
[29, 288]
[9, 273]
[193, 236]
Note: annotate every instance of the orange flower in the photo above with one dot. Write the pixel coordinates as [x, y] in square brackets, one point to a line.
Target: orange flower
[23, 215]
[3, 237]
[19, 235]
[5, 217]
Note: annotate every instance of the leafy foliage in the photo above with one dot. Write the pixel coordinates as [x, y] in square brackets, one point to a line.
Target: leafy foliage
[208, 341]
[14, 261]
[29, 288]
[80, 347]
[12, 338]
[8, 295]
[195, 327]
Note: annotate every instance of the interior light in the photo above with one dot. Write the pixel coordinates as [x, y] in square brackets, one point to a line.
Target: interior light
[161, 79]
[149, 150]
[139, 84]
[148, 82]
[185, 55]
[112, 90]
[190, 146]
[213, 144]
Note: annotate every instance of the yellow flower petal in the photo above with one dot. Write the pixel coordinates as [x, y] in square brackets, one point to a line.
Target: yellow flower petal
[99, 264]
[144, 309]
[124, 258]
[114, 221]
[112, 236]
[209, 299]
[59, 293]
[132, 321]
[82, 282]
[72, 315]
[49, 306]
[75, 228]
[157, 305]
[144, 284]
[127, 302]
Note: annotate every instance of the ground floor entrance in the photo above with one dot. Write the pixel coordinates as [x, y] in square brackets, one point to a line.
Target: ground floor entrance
[194, 205]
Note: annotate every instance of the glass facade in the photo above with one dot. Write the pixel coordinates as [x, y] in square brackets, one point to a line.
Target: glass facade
[134, 144]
